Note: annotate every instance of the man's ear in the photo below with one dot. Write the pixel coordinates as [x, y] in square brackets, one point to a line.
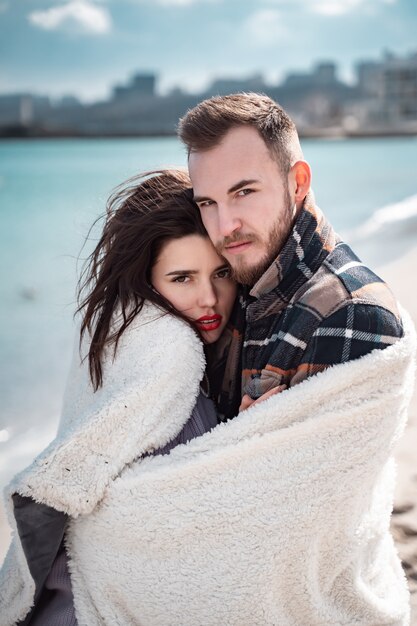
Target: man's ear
[300, 181]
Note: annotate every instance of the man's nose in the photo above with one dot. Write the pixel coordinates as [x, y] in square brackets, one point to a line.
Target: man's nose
[228, 221]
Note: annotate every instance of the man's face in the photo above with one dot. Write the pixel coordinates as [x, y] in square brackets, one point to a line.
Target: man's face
[244, 201]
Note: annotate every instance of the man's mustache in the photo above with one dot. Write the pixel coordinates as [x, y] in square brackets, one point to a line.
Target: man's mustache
[236, 238]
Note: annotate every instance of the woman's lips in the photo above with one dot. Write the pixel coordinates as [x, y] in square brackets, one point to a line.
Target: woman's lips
[209, 322]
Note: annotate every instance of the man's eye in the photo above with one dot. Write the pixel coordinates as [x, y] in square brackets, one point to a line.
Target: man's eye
[244, 192]
[205, 204]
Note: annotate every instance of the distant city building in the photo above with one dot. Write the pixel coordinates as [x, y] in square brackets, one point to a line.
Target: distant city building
[22, 109]
[322, 74]
[315, 99]
[68, 101]
[144, 84]
[383, 100]
[325, 73]
[223, 86]
[389, 90]
[399, 89]
[141, 86]
[369, 75]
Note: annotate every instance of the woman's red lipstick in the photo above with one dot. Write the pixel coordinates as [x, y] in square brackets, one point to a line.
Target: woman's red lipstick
[209, 322]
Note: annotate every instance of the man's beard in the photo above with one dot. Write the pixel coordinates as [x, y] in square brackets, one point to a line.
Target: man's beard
[247, 274]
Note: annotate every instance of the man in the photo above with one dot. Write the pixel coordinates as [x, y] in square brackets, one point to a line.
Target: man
[307, 301]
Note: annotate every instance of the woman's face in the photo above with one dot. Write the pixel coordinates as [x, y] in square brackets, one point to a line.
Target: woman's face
[196, 281]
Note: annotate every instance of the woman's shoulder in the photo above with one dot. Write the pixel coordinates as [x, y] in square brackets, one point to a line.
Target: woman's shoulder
[154, 327]
[152, 314]
[158, 365]
[153, 343]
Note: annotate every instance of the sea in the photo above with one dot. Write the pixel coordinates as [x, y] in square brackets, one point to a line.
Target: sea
[51, 192]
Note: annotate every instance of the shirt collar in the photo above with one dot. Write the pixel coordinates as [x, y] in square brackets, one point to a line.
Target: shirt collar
[310, 241]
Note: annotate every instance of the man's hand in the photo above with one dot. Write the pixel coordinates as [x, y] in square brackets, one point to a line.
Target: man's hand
[247, 401]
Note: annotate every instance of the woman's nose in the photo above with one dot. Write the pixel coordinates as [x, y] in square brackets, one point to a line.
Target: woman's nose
[207, 295]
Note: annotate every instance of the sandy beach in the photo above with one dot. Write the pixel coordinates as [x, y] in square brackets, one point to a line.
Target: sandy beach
[404, 520]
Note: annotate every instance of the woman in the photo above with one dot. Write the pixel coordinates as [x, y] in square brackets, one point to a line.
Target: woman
[154, 257]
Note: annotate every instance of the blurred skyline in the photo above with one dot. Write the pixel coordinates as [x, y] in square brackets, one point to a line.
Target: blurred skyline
[85, 47]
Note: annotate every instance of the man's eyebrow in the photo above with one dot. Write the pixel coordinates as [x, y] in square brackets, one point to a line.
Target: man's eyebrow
[239, 185]
[242, 183]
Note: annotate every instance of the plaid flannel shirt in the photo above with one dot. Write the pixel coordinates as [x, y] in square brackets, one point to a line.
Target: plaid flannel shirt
[317, 305]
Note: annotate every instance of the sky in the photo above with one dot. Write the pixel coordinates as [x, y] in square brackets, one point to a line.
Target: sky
[85, 47]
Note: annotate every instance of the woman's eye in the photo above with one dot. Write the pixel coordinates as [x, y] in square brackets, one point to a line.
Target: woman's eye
[181, 279]
[224, 273]
[205, 204]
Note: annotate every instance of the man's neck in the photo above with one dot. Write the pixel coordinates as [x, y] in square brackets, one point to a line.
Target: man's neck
[310, 240]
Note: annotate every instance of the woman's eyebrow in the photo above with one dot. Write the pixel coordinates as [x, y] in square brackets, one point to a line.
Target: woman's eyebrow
[175, 272]
[179, 272]
[198, 199]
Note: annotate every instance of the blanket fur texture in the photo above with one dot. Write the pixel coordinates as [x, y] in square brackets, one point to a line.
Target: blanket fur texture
[277, 517]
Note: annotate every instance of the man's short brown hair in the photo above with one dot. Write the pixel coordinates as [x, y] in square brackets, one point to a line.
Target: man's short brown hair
[204, 126]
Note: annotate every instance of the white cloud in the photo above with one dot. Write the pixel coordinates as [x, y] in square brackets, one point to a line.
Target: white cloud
[334, 7]
[265, 27]
[176, 3]
[82, 15]
[341, 7]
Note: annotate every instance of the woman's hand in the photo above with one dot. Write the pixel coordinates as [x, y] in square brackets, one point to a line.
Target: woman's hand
[247, 401]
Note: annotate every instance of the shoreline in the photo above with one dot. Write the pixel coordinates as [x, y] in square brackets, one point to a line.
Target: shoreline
[336, 133]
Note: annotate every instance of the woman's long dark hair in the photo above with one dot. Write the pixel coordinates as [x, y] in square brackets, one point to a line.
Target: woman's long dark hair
[141, 216]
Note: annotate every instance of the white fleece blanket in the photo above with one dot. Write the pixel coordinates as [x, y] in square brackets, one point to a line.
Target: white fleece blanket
[278, 517]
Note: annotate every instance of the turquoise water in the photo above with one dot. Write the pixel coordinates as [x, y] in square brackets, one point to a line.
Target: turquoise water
[50, 193]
